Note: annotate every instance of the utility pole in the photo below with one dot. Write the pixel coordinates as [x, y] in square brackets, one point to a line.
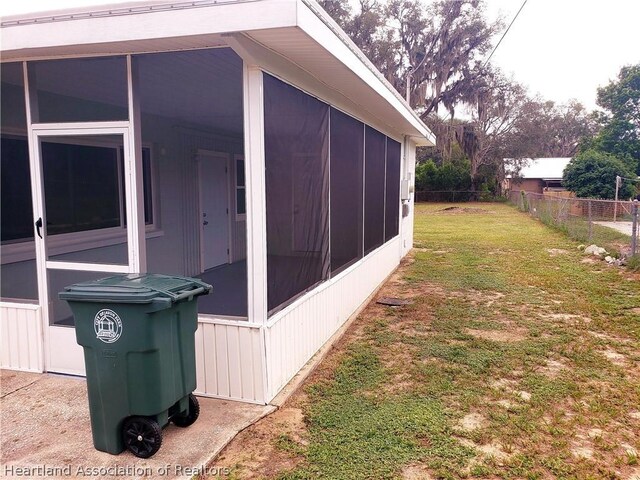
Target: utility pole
[408, 94]
[615, 207]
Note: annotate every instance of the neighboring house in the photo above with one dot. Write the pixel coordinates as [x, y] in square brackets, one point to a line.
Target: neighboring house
[539, 175]
[250, 144]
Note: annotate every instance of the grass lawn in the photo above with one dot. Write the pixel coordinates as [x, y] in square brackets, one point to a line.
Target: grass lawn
[519, 358]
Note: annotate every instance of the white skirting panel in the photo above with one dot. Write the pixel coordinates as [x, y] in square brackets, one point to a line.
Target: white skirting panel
[295, 334]
[21, 337]
[229, 361]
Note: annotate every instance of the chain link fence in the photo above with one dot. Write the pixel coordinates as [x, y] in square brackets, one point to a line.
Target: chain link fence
[606, 223]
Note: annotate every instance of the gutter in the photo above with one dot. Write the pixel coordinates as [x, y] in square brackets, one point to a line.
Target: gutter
[132, 8]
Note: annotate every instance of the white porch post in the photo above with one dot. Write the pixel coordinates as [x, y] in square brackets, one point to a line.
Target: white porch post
[134, 185]
[255, 191]
[31, 106]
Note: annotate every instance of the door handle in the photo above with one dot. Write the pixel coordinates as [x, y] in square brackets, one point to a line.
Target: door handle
[39, 226]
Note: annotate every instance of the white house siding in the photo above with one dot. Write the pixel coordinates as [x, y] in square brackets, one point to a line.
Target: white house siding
[229, 361]
[295, 334]
[21, 337]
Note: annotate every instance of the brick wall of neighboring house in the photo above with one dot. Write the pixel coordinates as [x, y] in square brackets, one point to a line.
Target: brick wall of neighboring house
[534, 185]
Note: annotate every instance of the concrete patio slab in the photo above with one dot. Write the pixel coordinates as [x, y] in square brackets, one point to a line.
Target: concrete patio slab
[45, 433]
[622, 227]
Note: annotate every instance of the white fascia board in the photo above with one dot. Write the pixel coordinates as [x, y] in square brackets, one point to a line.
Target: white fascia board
[314, 21]
[274, 63]
[423, 141]
[65, 33]
[145, 23]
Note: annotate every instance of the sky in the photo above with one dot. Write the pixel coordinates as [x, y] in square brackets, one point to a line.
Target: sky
[559, 49]
[565, 49]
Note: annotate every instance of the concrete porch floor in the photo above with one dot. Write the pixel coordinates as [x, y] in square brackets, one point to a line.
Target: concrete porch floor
[44, 422]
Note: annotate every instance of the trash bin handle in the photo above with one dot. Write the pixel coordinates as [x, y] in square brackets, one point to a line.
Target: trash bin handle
[186, 294]
[204, 287]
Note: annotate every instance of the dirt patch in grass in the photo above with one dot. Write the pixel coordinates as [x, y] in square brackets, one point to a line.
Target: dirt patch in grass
[486, 453]
[554, 252]
[582, 451]
[268, 447]
[507, 404]
[567, 318]
[464, 210]
[472, 421]
[512, 335]
[478, 297]
[614, 357]
[590, 260]
[503, 384]
[398, 359]
[552, 368]
[416, 472]
[609, 338]
[411, 329]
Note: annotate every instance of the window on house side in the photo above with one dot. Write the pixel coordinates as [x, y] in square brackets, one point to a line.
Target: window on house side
[79, 195]
[241, 198]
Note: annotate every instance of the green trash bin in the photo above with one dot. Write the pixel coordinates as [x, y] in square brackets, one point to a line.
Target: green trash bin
[137, 332]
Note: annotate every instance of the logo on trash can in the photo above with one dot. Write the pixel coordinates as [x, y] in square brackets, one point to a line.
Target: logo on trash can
[107, 325]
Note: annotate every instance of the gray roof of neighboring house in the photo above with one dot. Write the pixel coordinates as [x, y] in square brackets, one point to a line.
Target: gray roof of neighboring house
[550, 168]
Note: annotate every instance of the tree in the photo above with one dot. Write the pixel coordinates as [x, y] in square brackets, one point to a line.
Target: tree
[443, 45]
[490, 136]
[446, 177]
[592, 174]
[554, 130]
[620, 134]
[444, 48]
[339, 10]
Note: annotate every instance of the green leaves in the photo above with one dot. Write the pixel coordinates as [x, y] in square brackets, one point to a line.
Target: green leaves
[592, 174]
[620, 135]
[447, 177]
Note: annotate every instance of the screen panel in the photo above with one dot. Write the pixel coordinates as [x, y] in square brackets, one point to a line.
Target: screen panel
[296, 137]
[347, 164]
[79, 90]
[374, 187]
[392, 194]
[17, 255]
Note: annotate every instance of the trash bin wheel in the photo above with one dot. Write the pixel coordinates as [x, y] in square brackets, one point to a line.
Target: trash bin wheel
[142, 436]
[186, 419]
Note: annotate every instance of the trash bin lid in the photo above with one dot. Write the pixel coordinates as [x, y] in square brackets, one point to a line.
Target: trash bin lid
[136, 288]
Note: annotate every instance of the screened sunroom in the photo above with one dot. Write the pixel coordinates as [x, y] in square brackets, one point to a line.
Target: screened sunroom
[247, 145]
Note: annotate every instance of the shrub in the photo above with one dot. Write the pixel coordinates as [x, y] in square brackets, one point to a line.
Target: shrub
[447, 177]
[592, 174]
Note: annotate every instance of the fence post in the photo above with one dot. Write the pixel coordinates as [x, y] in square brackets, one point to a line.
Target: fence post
[589, 235]
[634, 227]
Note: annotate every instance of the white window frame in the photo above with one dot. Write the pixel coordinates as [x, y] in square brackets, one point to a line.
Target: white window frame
[240, 217]
[24, 250]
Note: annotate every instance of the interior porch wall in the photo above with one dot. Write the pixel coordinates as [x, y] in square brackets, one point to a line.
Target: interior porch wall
[175, 250]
